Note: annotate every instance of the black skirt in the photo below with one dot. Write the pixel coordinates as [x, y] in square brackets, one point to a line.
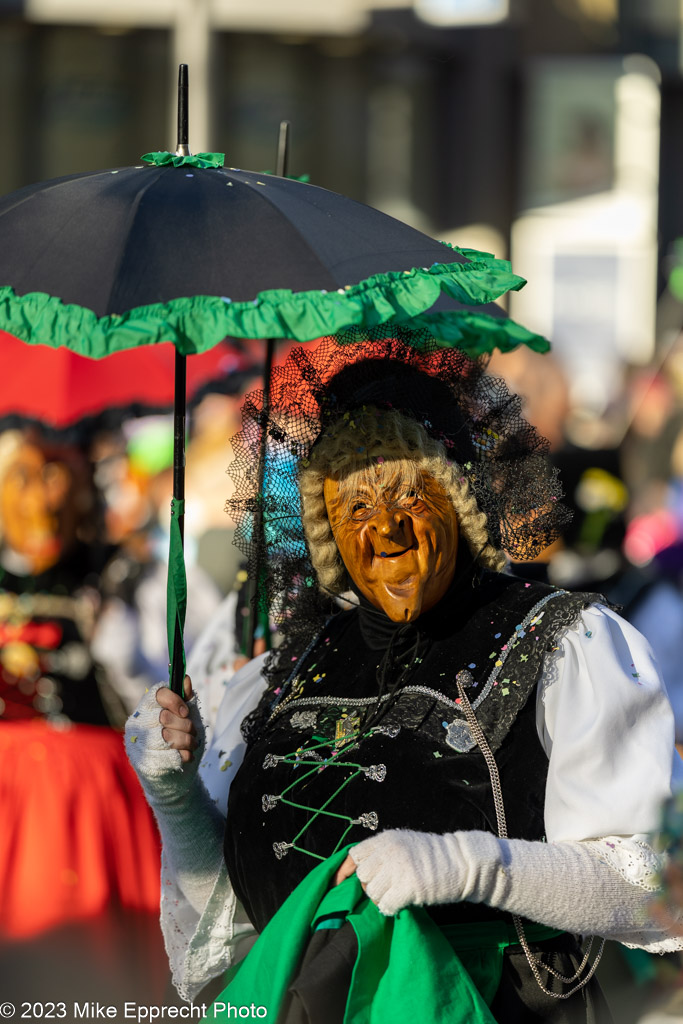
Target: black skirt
[318, 993]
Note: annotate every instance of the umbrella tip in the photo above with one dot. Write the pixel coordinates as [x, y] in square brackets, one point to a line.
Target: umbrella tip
[183, 148]
[282, 161]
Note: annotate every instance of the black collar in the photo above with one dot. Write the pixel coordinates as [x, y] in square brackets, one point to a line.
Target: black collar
[458, 603]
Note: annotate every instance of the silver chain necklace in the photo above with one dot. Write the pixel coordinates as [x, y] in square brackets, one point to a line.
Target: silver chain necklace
[463, 679]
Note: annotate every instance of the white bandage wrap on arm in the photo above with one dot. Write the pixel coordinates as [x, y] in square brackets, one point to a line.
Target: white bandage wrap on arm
[205, 928]
[567, 885]
[190, 824]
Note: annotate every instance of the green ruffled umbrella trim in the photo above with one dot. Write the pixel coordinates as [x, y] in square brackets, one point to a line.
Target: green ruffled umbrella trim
[478, 334]
[198, 323]
[166, 159]
[203, 160]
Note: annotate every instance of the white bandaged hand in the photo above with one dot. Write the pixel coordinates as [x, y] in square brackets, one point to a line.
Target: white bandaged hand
[566, 885]
[163, 775]
[190, 824]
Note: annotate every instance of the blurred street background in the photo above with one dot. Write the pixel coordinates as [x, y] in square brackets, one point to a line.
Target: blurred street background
[549, 132]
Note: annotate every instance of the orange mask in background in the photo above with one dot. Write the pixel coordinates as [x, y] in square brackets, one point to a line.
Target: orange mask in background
[36, 506]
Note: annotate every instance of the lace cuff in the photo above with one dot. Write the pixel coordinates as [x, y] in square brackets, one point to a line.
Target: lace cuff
[200, 947]
[641, 866]
[632, 858]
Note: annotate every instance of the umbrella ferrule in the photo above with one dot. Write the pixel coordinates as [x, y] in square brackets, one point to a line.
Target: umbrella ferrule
[183, 111]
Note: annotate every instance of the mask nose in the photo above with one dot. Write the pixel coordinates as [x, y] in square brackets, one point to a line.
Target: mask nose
[394, 525]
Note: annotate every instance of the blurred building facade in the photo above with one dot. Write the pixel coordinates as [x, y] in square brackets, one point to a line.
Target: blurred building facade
[524, 124]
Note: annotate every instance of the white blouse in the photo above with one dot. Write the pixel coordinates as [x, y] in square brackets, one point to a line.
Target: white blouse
[602, 717]
[605, 722]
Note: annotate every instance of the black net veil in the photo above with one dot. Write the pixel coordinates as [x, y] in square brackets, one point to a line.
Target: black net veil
[473, 415]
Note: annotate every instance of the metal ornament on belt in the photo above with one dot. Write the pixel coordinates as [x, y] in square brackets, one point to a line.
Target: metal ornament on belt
[458, 734]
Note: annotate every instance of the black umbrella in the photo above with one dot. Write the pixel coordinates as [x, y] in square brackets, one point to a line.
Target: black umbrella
[182, 249]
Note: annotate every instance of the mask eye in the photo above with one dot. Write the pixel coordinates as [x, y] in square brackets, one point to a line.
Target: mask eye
[359, 510]
[409, 498]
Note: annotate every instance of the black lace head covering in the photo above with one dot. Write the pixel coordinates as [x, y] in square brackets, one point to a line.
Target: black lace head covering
[472, 415]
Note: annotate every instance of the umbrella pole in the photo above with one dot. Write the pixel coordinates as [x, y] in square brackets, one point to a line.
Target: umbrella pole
[176, 558]
[258, 616]
[177, 580]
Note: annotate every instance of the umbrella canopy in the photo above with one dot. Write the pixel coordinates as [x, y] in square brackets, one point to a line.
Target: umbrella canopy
[115, 259]
[66, 392]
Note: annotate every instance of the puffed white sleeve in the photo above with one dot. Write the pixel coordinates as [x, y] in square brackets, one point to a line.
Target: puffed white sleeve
[605, 722]
[202, 944]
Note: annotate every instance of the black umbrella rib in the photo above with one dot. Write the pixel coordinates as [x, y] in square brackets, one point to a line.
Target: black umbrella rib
[46, 242]
[49, 233]
[394, 254]
[291, 226]
[27, 193]
[151, 179]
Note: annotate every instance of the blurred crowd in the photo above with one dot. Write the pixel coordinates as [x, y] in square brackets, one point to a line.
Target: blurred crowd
[622, 474]
[84, 521]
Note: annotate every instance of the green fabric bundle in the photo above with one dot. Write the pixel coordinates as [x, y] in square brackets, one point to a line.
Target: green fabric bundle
[407, 967]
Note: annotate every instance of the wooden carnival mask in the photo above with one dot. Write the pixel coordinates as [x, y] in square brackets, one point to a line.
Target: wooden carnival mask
[36, 499]
[397, 534]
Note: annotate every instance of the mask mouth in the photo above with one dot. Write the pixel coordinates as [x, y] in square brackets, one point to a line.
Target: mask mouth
[397, 589]
[394, 554]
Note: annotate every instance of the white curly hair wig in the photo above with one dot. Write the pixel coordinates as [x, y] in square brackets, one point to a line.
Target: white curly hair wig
[352, 445]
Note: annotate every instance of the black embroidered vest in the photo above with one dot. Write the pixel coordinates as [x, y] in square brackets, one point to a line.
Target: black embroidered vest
[316, 778]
